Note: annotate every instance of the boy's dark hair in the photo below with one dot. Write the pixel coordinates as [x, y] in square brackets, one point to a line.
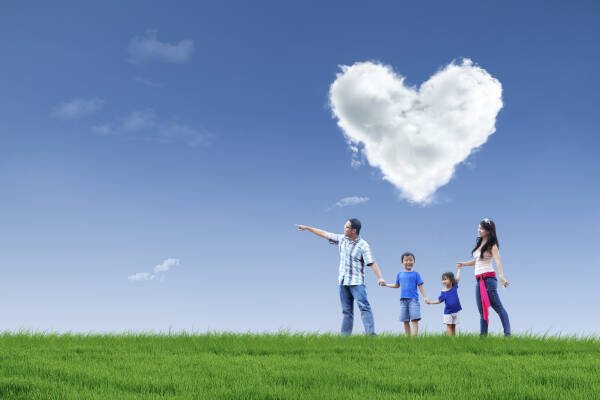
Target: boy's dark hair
[355, 224]
[450, 277]
[406, 255]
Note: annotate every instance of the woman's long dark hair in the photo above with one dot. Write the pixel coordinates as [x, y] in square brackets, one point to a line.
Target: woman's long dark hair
[488, 225]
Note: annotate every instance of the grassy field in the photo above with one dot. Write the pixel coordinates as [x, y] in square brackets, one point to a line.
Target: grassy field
[283, 366]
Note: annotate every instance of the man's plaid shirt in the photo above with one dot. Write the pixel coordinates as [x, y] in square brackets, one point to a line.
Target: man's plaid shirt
[353, 258]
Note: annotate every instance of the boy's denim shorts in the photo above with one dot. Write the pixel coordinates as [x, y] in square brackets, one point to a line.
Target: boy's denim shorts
[410, 310]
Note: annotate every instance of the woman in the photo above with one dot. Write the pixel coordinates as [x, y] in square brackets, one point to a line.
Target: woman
[486, 292]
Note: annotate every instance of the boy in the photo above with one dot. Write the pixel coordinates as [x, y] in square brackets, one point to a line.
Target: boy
[409, 280]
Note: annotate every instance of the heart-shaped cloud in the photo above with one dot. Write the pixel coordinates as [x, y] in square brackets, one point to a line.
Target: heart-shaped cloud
[416, 137]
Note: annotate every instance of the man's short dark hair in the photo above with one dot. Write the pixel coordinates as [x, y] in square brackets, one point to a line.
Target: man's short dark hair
[355, 224]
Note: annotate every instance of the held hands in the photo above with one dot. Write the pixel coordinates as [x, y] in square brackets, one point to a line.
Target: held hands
[459, 265]
[427, 300]
[381, 282]
[301, 227]
[503, 281]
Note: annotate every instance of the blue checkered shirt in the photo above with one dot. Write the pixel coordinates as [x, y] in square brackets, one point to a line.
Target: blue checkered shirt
[353, 258]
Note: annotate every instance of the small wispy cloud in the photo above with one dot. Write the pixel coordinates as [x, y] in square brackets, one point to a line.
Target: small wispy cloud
[166, 265]
[157, 273]
[141, 276]
[349, 201]
[139, 121]
[104, 129]
[77, 108]
[171, 132]
[356, 157]
[147, 48]
[146, 125]
[147, 82]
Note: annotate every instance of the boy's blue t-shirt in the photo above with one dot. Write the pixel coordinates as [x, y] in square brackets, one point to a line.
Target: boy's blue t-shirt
[408, 282]
[451, 298]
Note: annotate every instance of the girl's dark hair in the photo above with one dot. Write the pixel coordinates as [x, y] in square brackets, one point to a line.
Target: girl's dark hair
[407, 254]
[450, 277]
[492, 240]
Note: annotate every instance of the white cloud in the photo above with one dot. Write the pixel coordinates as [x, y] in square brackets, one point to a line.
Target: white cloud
[146, 125]
[416, 137]
[104, 129]
[147, 82]
[141, 276]
[147, 48]
[158, 272]
[171, 131]
[350, 201]
[77, 108]
[355, 163]
[166, 265]
[139, 121]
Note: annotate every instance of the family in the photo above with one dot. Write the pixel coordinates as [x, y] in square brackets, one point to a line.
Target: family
[355, 253]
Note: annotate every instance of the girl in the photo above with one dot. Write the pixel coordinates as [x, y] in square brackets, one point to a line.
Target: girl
[450, 296]
[486, 293]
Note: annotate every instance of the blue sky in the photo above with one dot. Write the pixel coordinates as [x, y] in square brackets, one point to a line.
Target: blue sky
[135, 134]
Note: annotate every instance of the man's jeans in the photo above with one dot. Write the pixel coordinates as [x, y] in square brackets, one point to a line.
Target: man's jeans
[347, 296]
[492, 284]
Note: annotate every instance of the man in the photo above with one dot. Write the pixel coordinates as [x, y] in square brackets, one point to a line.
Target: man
[354, 254]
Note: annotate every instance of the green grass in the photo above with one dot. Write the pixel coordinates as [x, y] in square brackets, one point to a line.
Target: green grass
[280, 366]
